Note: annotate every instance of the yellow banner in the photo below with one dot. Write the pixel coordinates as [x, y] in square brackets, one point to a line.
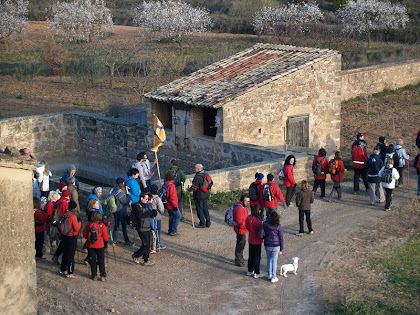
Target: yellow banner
[159, 134]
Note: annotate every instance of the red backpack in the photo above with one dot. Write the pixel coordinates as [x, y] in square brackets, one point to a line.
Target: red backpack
[207, 184]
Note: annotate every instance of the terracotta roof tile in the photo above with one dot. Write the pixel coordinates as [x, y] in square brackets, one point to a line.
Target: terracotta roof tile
[219, 82]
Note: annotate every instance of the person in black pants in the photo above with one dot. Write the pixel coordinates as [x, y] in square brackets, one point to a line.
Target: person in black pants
[141, 220]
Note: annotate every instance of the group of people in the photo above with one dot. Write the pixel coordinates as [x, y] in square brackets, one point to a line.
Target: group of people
[142, 203]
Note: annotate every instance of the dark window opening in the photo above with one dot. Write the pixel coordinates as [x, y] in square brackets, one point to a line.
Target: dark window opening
[209, 122]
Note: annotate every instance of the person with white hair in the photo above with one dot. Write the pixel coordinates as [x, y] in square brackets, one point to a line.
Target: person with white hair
[402, 157]
[96, 194]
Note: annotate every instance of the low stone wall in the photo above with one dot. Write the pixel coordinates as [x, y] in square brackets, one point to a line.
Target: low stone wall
[370, 80]
[17, 254]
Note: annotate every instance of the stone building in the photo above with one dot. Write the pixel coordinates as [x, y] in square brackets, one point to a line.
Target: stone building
[268, 95]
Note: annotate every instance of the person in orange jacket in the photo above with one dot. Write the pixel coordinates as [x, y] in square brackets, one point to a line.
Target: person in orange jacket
[97, 240]
[69, 230]
[240, 213]
[40, 218]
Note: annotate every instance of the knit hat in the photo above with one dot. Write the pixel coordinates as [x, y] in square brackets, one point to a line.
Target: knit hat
[62, 185]
[120, 180]
[359, 135]
[71, 167]
[382, 139]
[65, 193]
[72, 205]
[141, 155]
[260, 176]
[154, 188]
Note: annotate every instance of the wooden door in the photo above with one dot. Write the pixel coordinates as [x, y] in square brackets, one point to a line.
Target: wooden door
[298, 130]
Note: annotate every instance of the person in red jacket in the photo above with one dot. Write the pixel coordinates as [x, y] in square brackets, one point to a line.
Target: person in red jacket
[69, 239]
[97, 240]
[253, 225]
[359, 157]
[336, 170]
[172, 204]
[289, 178]
[320, 173]
[63, 202]
[255, 191]
[275, 195]
[240, 212]
[40, 218]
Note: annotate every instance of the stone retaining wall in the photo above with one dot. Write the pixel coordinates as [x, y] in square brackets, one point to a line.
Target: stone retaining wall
[370, 80]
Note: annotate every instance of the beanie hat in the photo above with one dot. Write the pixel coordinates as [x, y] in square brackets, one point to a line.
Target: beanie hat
[141, 155]
[71, 167]
[72, 205]
[120, 180]
[260, 176]
[62, 185]
[154, 188]
[382, 139]
[65, 193]
[359, 135]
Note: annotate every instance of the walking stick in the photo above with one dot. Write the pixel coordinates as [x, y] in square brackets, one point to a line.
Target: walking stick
[157, 166]
[78, 252]
[112, 241]
[192, 218]
[182, 200]
[408, 172]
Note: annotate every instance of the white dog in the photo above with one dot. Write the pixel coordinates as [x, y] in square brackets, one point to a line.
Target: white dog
[289, 267]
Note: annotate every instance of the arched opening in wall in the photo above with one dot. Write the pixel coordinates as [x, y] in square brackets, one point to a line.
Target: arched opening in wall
[297, 130]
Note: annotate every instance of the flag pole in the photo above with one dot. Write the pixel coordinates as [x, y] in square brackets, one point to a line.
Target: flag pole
[157, 166]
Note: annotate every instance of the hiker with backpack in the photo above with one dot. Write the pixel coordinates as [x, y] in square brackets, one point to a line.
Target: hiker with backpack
[359, 157]
[383, 147]
[141, 221]
[389, 175]
[255, 192]
[304, 199]
[402, 157]
[417, 167]
[96, 194]
[289, 178]
[272, 234]
[375, 184]
[132, 186]
[97, 237]
[271, 195]
[201, 186]
[40, 218]
[59, 208]
[122, 201]
[253, 225]
[157, 205]
[169, 198]
[52, 231]
[93, 206]
[336, 170]
[71, 171]
[240, 213]
[320, 170]
[179, 180]
[69, 227]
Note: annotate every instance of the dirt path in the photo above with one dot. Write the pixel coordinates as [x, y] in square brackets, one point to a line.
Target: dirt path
[196, 274]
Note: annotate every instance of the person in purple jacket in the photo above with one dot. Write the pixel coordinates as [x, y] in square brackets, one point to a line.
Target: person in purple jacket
[272, 234]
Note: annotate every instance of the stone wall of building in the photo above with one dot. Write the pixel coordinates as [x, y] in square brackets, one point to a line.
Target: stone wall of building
[260, 116]
[369, 80]
[17, 253]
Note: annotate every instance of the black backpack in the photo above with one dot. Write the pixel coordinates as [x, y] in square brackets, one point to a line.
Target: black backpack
[267, 192]
[318, 170]
[94, 234]
[253, 191]
[387, 175]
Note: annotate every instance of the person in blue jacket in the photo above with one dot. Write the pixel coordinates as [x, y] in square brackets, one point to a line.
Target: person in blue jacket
[96, 194]
[133, 186]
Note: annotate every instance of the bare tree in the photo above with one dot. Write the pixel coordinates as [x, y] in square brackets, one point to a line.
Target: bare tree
[172, 19]
[80, 20]
[366, 16]
[12, 17]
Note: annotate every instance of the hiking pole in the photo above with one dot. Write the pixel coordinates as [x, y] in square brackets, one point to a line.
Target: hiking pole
[112, 241]
[192, 218]
[408, 172]
[78, 252]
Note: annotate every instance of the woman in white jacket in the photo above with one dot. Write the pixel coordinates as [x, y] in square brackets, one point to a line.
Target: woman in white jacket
[43, 177]
[388, 185]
